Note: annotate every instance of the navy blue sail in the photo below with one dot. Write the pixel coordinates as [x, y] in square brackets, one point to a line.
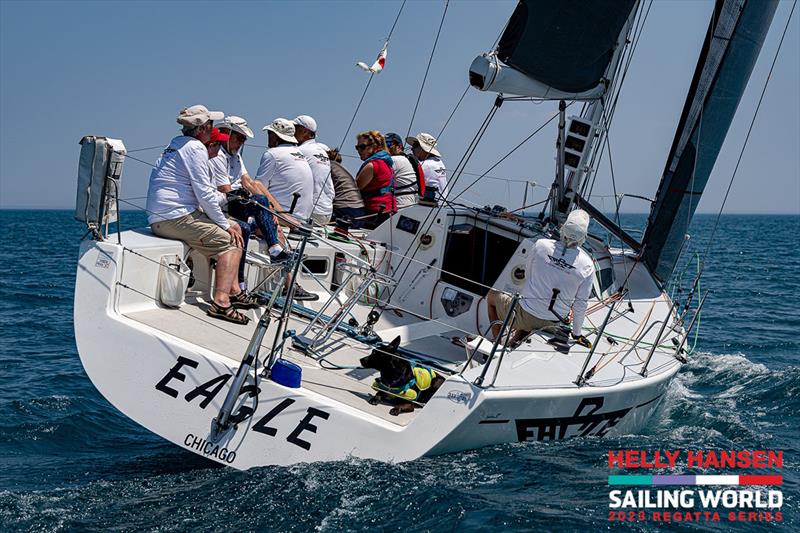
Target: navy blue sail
[566, 44]
[732, 45]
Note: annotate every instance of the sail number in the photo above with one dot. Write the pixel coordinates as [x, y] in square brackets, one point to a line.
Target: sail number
[211, 388]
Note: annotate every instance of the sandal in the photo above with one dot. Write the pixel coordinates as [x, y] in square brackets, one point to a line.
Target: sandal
[244, 300]
[229, 314]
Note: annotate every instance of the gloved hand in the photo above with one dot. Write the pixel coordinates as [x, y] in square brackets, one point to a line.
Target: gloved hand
[583, 341]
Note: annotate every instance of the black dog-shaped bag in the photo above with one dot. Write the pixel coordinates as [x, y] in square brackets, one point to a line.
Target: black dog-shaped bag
[400, 382]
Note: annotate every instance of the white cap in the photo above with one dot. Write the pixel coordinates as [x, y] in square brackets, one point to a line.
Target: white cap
[426, 141]
[575, 228]
[197, 115]
[307, 122]
[283, 128]
[237, 124]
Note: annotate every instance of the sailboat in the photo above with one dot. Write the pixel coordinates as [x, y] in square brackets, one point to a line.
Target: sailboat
[291, 387]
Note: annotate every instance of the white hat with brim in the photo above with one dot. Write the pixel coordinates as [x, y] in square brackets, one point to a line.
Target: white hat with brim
[307, 122]
[283, 128]
[426, 141]
[237, 124]
[197, 115]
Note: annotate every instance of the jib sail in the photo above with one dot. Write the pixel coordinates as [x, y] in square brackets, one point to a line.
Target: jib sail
[732, 45]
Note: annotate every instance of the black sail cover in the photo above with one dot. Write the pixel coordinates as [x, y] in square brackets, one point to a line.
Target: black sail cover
[731, 47]
[565, 44]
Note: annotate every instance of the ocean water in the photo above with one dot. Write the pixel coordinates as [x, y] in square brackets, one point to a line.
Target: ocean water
[70, 461]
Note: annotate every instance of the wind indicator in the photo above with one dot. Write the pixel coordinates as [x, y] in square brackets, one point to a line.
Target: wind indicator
[379, 63]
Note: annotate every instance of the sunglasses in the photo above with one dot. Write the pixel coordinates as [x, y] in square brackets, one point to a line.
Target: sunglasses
[215, 144]
[362, 146]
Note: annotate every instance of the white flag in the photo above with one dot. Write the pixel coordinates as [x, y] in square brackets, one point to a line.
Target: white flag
[379, 63]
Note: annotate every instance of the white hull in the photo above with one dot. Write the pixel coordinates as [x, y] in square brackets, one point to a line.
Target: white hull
[173, 382]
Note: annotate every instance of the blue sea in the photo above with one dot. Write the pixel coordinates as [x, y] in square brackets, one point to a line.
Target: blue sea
[70, 461]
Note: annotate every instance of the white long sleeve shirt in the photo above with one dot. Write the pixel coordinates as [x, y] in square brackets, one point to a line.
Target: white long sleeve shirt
[317, 156]
[284, 171]
[554, 266]
[181, 182]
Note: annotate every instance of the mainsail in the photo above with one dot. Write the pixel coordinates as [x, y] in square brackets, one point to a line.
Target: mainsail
[555, 49]
[732, 45]
[566, 44]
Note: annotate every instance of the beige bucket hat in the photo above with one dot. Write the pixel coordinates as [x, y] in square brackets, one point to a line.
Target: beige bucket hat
[426, 141]
[197, 115]
[237, 124]
[283, 128]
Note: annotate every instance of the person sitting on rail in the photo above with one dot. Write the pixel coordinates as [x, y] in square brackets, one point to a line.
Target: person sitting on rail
[305, 131]
[553, 265]
[285, 171]
[347, 201]
[183, 204]
[409, 178]
[245, 197]
[375, 178]
[423, 146]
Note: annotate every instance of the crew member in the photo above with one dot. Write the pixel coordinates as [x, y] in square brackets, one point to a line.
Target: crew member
[423, 146]
[183, 204]
[553, 265]
[285, 171]
[305, 131]
[408, 174]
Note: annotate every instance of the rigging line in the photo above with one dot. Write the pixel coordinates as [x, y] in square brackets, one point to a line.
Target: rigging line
[508, 154]
[427, 69]
[431, 217]
[747, 137]
[372, 75]
[609, 115]
[453, 112]
[366, 88]
[145, 149]
[614, 186]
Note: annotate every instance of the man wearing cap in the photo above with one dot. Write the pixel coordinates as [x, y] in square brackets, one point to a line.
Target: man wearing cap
[305, 131]
[284, 170]
[408, 174]
[183, 204]
[231, 177]
[423, 146]
[560, 269]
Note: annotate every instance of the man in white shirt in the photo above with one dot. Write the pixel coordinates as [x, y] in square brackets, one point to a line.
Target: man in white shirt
[305, 131]
[230, 175]
[556, 269]
[183, 204]
[423, 146]
[284, 170]
[408, 174]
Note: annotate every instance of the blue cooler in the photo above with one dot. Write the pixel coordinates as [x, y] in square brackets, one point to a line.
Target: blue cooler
[286, 373]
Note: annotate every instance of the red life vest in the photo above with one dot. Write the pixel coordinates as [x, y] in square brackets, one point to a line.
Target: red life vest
[380, 191]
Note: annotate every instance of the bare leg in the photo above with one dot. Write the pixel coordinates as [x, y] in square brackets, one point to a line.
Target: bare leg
[227, 277]
[491, 302]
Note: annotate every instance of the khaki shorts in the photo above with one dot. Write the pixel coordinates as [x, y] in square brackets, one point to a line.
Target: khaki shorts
[198, 231]
[322, 220]
[522, 319]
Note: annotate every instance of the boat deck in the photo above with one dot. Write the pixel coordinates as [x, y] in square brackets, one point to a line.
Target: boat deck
[349, 386]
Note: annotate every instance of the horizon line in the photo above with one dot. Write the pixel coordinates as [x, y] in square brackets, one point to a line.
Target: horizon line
[785, 213]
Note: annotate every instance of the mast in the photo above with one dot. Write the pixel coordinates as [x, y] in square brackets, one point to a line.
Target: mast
[561, 50]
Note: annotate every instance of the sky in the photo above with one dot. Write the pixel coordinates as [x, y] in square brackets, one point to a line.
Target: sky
[125, 69]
